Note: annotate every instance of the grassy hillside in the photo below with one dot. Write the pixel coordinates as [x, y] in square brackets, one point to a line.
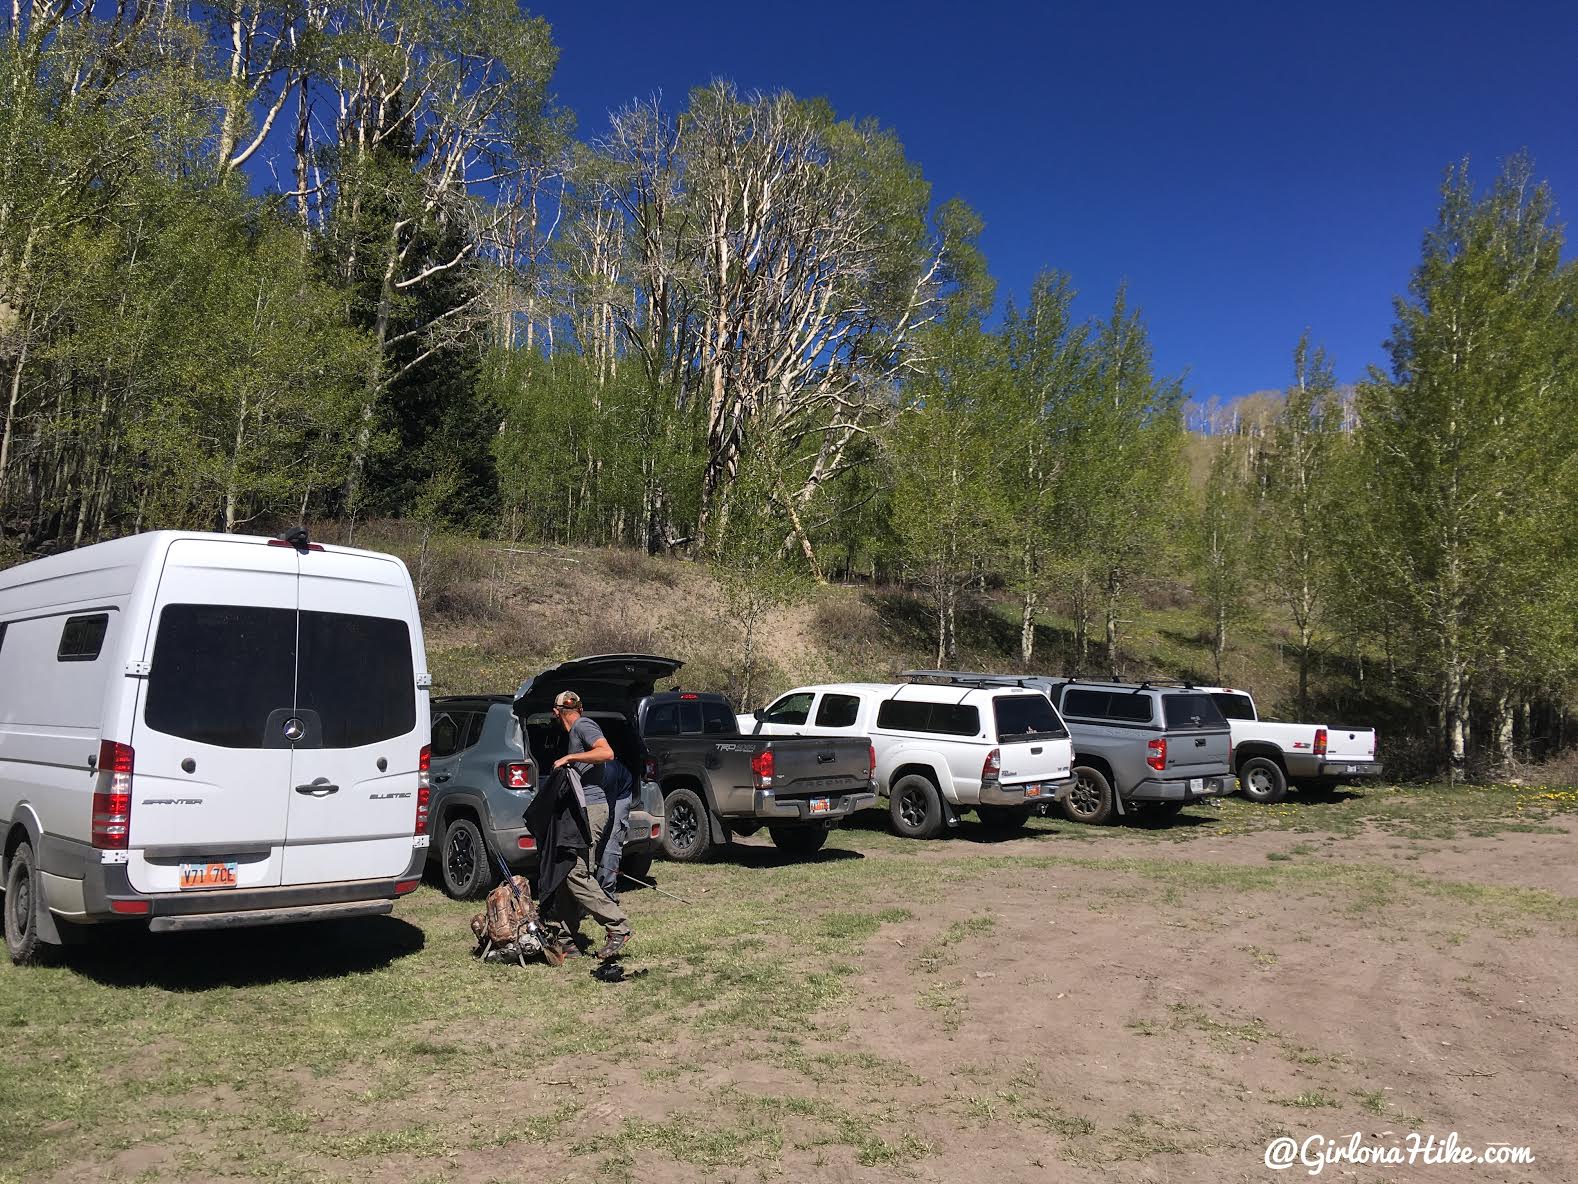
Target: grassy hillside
[494, 613]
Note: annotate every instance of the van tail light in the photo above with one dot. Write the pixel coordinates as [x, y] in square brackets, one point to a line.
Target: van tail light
[1320, 741]
[762, 768]
[1156, 753]
[992, 766]
[424, 787]
[515, 774]
[112, 798]
[872, 749]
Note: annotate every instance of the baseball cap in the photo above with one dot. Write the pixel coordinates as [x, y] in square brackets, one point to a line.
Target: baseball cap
[567, 699]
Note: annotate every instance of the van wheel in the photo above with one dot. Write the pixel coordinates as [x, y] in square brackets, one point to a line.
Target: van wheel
[687, 836]
[464, 867]
[1091, 801]
[801, 841]
[1261, 779]
[915, 808]
[22, 902]
[1004, 817]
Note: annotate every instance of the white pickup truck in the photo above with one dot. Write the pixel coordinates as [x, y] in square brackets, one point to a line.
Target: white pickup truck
[1269, 756]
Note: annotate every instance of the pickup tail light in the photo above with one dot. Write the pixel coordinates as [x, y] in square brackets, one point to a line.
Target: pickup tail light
[872, 749]
[649, 768]
[112, 797]
[1156, 753]
[762, 768]
[424, 787]
[992, 767]
[1375, 743]
[515, 774]
[1320, 741]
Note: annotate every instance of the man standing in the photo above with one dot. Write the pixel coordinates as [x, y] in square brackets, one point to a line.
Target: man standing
[592, 756]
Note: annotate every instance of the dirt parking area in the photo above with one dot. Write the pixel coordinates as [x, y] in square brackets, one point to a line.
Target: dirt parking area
[1072, 1004]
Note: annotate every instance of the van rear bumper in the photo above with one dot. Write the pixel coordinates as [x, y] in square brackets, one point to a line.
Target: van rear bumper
[292, 916]
[104, 884]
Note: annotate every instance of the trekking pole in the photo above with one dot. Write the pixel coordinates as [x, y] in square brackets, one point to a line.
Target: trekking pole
[654, 887]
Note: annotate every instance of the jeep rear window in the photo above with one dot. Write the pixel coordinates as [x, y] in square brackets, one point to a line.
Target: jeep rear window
[1126, 706]
[1026, 717]
[913, 715]
[1191, 711]
[218, 671]
[1234, 706]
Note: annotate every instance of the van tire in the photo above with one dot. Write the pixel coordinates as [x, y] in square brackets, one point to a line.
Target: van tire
[23, 900]
[1091, 801]
[1261, 779]
[800, 841]
[1008, 818]
[915, 808]
[687, 830]
[465, 869]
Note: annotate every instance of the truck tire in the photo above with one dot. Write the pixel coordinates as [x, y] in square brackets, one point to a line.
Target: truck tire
[1261, 779]
[465, 869]
[638, 867]
[1092, 800]
[687, 836]
[1004, 817]
[23, 900]
[915, 808]
[799, 841]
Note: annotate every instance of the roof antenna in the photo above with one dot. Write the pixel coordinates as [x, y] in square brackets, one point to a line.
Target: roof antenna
[296, 536]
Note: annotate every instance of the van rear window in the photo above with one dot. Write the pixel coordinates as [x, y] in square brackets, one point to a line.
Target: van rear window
[219, 671]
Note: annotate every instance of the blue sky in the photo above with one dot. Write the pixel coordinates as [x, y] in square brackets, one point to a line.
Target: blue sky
[1250, 169]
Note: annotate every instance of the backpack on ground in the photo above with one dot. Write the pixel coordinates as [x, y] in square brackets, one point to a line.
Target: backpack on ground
[508, 927]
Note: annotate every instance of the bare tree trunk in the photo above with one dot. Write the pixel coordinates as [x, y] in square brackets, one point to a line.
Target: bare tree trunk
[1505, 709]
[10, 412]
[1027, 627]
[1114, 590]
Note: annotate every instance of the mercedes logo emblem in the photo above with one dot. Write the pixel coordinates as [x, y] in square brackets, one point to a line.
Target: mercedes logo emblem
[294, 729]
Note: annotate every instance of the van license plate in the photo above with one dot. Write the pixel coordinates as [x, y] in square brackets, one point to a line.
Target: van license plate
[1196, 784]
[821, 805]
[208, 875]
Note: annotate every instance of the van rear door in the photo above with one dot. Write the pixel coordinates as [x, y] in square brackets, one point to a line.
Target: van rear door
[212, 778]
[353, 794]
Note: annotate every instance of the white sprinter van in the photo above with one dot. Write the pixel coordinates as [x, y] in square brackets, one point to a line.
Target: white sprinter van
[203, 731]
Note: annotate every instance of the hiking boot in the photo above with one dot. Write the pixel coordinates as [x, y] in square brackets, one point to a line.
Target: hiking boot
[617, 940]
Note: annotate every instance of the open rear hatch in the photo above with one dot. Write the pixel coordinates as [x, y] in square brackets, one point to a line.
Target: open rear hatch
[610, 686]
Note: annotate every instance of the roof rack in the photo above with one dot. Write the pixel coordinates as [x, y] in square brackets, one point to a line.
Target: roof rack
[966, 678]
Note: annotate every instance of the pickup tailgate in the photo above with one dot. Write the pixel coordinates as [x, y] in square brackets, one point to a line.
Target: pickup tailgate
[809, 766]
[1350, 744]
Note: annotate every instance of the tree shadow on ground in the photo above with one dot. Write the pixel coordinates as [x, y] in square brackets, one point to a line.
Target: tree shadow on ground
[130, 956]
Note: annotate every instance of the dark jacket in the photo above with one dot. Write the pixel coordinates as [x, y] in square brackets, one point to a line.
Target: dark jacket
[558, 822]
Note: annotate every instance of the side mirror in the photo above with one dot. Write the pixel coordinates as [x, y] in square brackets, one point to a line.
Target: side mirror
[757, 714]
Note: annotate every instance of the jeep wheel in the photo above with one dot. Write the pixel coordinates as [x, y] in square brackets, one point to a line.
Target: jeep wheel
[799, 841]
[465, 871]
[637, 867]
[1004, 817]
[22, 902]
[1091, 801]
[1261, 779]
[687, 836]
[915, 808]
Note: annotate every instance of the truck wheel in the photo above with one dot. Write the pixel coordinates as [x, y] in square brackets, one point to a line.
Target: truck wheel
[687, 836]
[1091, 801]
[1261, 779]
[637, 867]
[465, 869]
[915, 807]
[22, 902]
[801, 841]
[1004, 817]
